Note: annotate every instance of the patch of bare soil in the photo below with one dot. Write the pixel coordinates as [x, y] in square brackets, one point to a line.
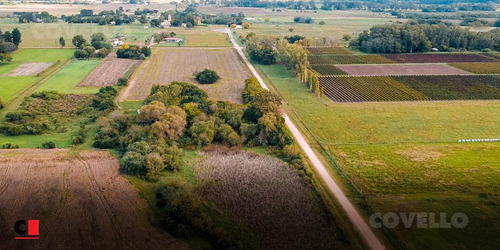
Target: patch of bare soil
[29, 69]
[109, 71]
[80, 200]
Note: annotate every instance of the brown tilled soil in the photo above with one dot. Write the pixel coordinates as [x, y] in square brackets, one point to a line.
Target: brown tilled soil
[81, 201]
[109, 71]
[29, 69]
[400, 69]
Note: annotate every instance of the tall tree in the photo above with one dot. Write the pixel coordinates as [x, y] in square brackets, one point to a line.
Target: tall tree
[62, 42]
[16, 36]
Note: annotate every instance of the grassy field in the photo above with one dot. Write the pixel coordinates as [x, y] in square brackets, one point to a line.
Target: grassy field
[66, 80]
[404, 157]
[42, 34]
[198, 37]
[335, 25]
[11, 86]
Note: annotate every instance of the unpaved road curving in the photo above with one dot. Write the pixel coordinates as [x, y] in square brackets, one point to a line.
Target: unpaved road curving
[359, 223]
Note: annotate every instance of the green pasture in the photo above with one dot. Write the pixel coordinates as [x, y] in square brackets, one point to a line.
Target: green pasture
[66, 80]
[405, 157]
[47, 34]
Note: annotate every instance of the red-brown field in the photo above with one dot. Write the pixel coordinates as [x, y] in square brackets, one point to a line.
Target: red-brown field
[400, 69]
[109, 71]
[438, 58]
[29, 69]
[80, 199]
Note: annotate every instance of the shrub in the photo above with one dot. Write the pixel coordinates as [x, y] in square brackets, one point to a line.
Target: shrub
[47, 95]
[7, 47]
[207, 77]
[49, 145]
[122, 81]
[81, 54]
[2, 103]
[9, 146]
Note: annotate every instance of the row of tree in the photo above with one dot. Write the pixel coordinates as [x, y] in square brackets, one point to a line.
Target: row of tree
[34, 17]
[291, 52]
[414, 37]
[102, 18]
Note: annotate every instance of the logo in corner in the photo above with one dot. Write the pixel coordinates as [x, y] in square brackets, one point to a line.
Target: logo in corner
[26, 229]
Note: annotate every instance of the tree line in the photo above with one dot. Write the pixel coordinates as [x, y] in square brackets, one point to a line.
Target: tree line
[415, 37]
[291, 52]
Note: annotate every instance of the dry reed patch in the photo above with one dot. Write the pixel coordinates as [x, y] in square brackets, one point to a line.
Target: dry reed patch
[271, 198]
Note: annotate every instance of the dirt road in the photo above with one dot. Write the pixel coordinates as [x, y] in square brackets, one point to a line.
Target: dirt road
[359, 223]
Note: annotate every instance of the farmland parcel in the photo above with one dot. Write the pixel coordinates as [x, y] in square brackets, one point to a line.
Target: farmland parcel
[82, 194]
[404, 157]
[181, 64]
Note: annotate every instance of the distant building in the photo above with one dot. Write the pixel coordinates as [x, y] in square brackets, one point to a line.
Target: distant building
[250, 18]
[116, 43]
[172, 39]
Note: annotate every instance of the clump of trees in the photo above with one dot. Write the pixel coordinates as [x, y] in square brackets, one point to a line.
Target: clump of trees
[46, 111]
[414, 37]
[98, 46]
[207, 76]
[35, 17]
[133, 52]
[181, 115]
[303, 20]
[261, 49]
[117, 17]
[9, 42]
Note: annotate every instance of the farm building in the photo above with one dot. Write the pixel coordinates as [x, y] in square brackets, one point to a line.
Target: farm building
[172, 39]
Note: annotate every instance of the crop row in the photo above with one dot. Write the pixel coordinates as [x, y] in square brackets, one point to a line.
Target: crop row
[439, 58]
[379, 89]
[329, 51]
[349, 59]
[469, 87]
[411, 88]
[479, 68]
[325, 69]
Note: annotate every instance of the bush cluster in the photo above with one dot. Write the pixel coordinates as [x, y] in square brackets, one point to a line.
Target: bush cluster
[207, 76]
[133, 52]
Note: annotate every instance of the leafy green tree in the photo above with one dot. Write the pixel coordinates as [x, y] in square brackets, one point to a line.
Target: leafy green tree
[78, 41]
[152, 112]
[62, 42]
[7, 36]
[16, 36]
[98, 41]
